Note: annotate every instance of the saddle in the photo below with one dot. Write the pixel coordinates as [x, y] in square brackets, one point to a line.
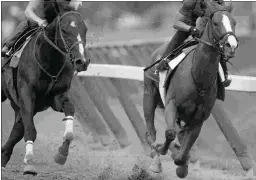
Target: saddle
[173, 60]
[17, 50]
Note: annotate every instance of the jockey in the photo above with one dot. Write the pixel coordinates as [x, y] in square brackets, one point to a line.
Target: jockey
[39, 13]
[189, 14]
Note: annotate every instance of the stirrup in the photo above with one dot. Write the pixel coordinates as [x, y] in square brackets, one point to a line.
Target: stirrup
[9, 53]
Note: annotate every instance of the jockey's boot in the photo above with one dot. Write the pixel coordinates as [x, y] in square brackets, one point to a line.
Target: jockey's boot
[162, 66]
[223, 63]
[228, 80]
[5, 51]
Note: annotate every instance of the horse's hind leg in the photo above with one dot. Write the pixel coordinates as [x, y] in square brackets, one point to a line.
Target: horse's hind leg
[151, 98]
[16, 135]
[62, 103]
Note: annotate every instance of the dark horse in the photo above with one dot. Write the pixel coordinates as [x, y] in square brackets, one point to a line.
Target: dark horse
[192, 90]
[42, 79]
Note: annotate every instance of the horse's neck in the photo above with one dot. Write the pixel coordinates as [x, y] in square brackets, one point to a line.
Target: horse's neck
[205, 63]
[48, 56]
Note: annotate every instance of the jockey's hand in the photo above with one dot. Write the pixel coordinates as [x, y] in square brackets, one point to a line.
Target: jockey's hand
[162, 65]
[42, 23]
[194, 32]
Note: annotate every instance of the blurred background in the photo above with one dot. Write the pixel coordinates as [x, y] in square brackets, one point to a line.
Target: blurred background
[108, 19]
[127, 21]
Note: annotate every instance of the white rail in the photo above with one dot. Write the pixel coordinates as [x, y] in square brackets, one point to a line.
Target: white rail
[239, 83]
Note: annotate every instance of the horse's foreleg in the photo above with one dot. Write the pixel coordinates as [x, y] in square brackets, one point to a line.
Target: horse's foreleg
[170, 133]
[27, 100]
[16, 135]
[150, 100]
[191, 134]
[69, 111]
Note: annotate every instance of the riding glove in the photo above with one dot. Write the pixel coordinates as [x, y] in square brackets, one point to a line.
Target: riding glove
[194, 32]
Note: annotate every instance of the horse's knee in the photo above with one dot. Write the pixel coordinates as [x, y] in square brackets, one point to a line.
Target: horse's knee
[69, 108]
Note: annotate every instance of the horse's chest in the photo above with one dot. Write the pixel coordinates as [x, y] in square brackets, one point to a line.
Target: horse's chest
[58, 86]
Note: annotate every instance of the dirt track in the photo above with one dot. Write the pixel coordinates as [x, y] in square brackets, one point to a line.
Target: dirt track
[86, 161]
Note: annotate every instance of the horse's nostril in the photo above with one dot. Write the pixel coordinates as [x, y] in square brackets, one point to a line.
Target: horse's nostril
[79, 62]
[228, 44]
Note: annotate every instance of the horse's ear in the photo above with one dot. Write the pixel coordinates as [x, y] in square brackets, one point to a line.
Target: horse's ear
[84, 22]
[203, 5]
[229, 7]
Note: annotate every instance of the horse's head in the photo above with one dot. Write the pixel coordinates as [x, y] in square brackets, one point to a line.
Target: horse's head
[222, 26]
[70, 37]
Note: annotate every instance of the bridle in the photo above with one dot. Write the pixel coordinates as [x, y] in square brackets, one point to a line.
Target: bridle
[68, 50]
[217, 43]
[67, 53]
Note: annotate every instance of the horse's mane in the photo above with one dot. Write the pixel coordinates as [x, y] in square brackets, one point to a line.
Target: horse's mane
[212, 7]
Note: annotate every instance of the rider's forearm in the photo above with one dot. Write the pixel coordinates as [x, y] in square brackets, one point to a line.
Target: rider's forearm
[181, 26]
[32, 16]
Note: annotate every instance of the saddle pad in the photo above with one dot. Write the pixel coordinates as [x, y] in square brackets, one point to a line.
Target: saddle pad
[16, 56]
[164, 75]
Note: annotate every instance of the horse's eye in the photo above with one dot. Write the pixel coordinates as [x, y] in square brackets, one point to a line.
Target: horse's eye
[73, 24]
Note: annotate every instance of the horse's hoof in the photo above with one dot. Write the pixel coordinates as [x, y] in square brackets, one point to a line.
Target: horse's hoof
[69, 136]
[4, 159]
[182, 171]
[30, 169]
[174, 148]
[156, 165]
[3, 163]
[179, 162]
[60, 158]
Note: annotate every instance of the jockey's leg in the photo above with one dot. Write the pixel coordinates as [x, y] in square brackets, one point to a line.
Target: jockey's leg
[225, 69]
[178, 38]
[22, 28]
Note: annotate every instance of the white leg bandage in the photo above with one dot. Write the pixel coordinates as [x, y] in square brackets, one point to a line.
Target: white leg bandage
[29, 151]
[68, 126]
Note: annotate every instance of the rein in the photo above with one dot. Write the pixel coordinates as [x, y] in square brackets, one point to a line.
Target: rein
[218, 44]
[67, 53]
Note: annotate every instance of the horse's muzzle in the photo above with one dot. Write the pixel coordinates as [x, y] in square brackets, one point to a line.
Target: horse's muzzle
[82, 64]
